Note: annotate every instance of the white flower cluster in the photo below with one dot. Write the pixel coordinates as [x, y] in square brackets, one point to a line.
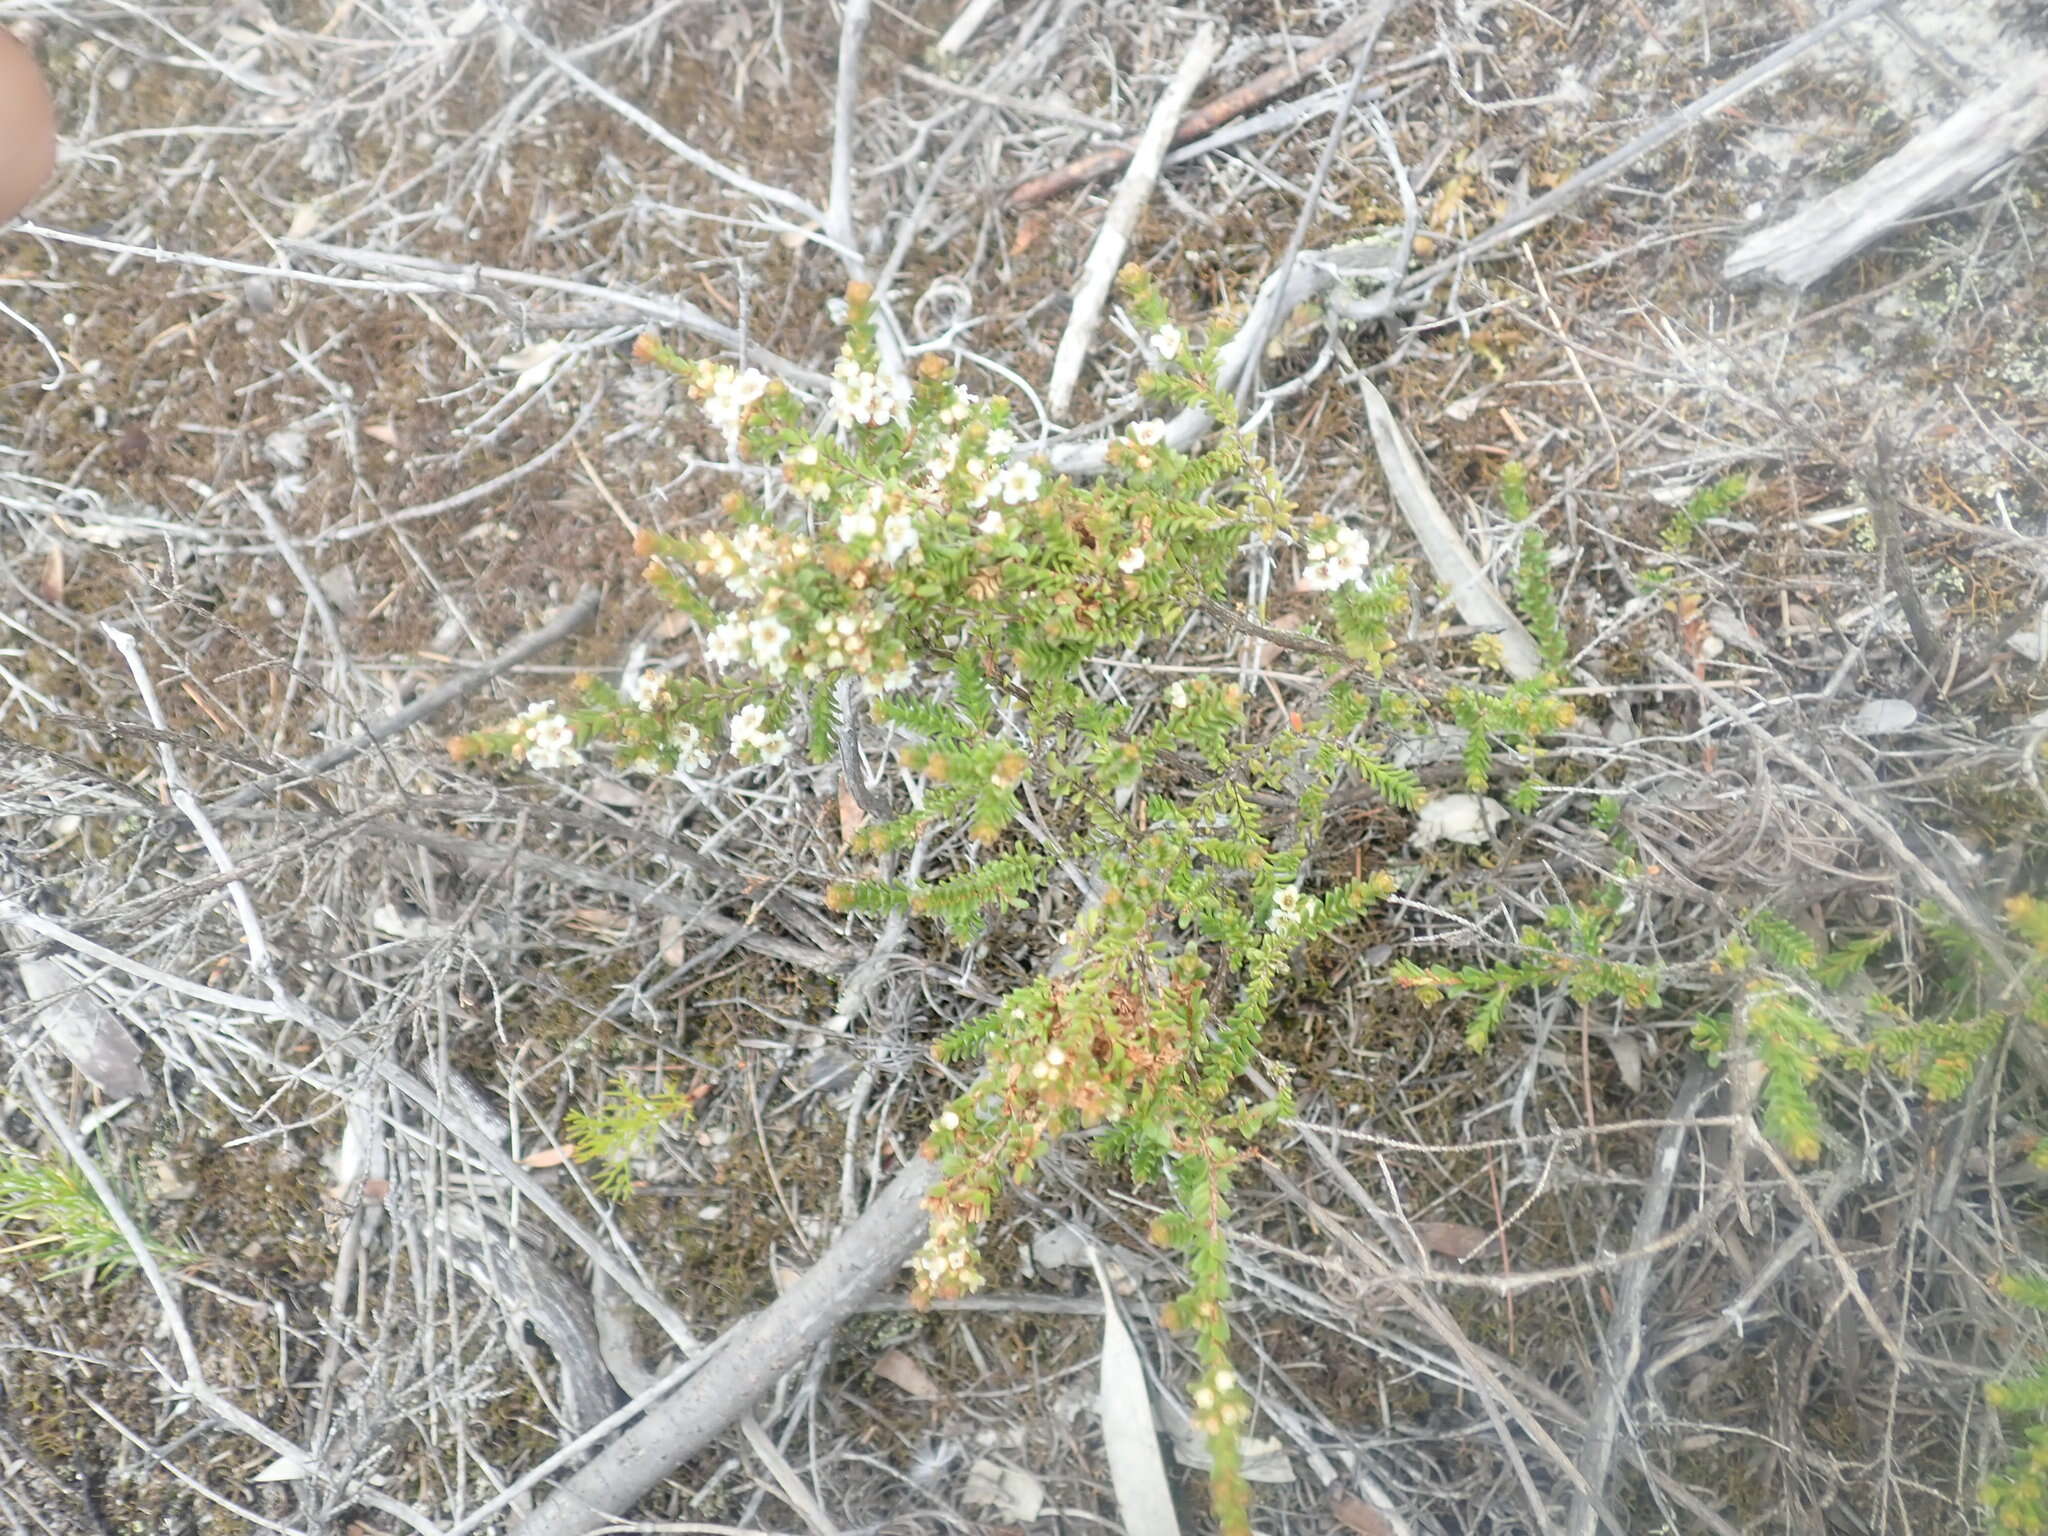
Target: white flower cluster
[550, 739]
[868, 399]
[1167, 341]
[946, 1262]
[647, 690]
[762, 640]
[1148, 434]
[1337, 558]
[744, 559]
[726, 393]
[691, 754]
[747, 735]
[1289, 908]
[898, 531]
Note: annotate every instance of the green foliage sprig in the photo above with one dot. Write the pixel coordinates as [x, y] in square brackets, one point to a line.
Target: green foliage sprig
[50, 1208]
[625, 1126]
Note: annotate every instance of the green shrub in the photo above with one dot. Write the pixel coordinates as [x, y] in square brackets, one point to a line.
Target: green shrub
[909, 557]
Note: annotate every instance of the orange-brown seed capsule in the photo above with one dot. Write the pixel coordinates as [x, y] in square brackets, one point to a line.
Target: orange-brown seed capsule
[646, 347]
[643, 543]
[858, 293]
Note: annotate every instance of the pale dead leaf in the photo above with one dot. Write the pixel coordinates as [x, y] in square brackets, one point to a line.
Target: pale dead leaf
[671, 939]
[851, 817]
[547, 1157]
[1628, 1059]
[1466, 820]
[1030, 229]
[283, 1470]
[599, 920]
[1010, 1493]
[1130, 1443]
[1452, 1239]
[1264, 1461]
[73, 1017]
[616, 793]
[1354, 1514]
[50, 585]
[533, 364]
[1883, 717]
[905, 1374]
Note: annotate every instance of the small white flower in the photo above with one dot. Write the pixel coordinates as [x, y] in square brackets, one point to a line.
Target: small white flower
[993, 523]
[1337, 558]
[899, 536]
[1018, 484]
[894, 680]
[724, 646]
[1289, 908]
[769, 746]
[646, 689]
[1132, 560]
[690, 754]
[1177, 695]
[1000, 441]
[1148, 434]
[857, 523]
[550, 739]
[769, 637]
[868, 399]
[945, 454]
[1167, 341]
[728, 393]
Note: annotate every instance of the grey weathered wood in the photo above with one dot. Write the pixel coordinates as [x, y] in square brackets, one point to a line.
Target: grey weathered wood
[743, 1366]
[1939, 164]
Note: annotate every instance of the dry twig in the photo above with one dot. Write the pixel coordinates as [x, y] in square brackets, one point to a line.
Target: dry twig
[1212, 115]
[1106, 256]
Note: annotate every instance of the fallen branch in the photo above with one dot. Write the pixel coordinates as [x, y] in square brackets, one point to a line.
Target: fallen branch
[1206, 118]
[1113, 239]
[1941, 162]
[743, 1366]
[572, 618]
[1512, 228]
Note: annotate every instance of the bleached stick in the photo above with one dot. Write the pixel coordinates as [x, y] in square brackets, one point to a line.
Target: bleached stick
[846, 97]
[965, 25]
[1545, 208]
[1114, 239]
[1939, 163]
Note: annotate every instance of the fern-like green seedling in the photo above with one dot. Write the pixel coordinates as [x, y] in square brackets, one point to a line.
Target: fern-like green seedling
[625, 1127]
[1534, 593]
